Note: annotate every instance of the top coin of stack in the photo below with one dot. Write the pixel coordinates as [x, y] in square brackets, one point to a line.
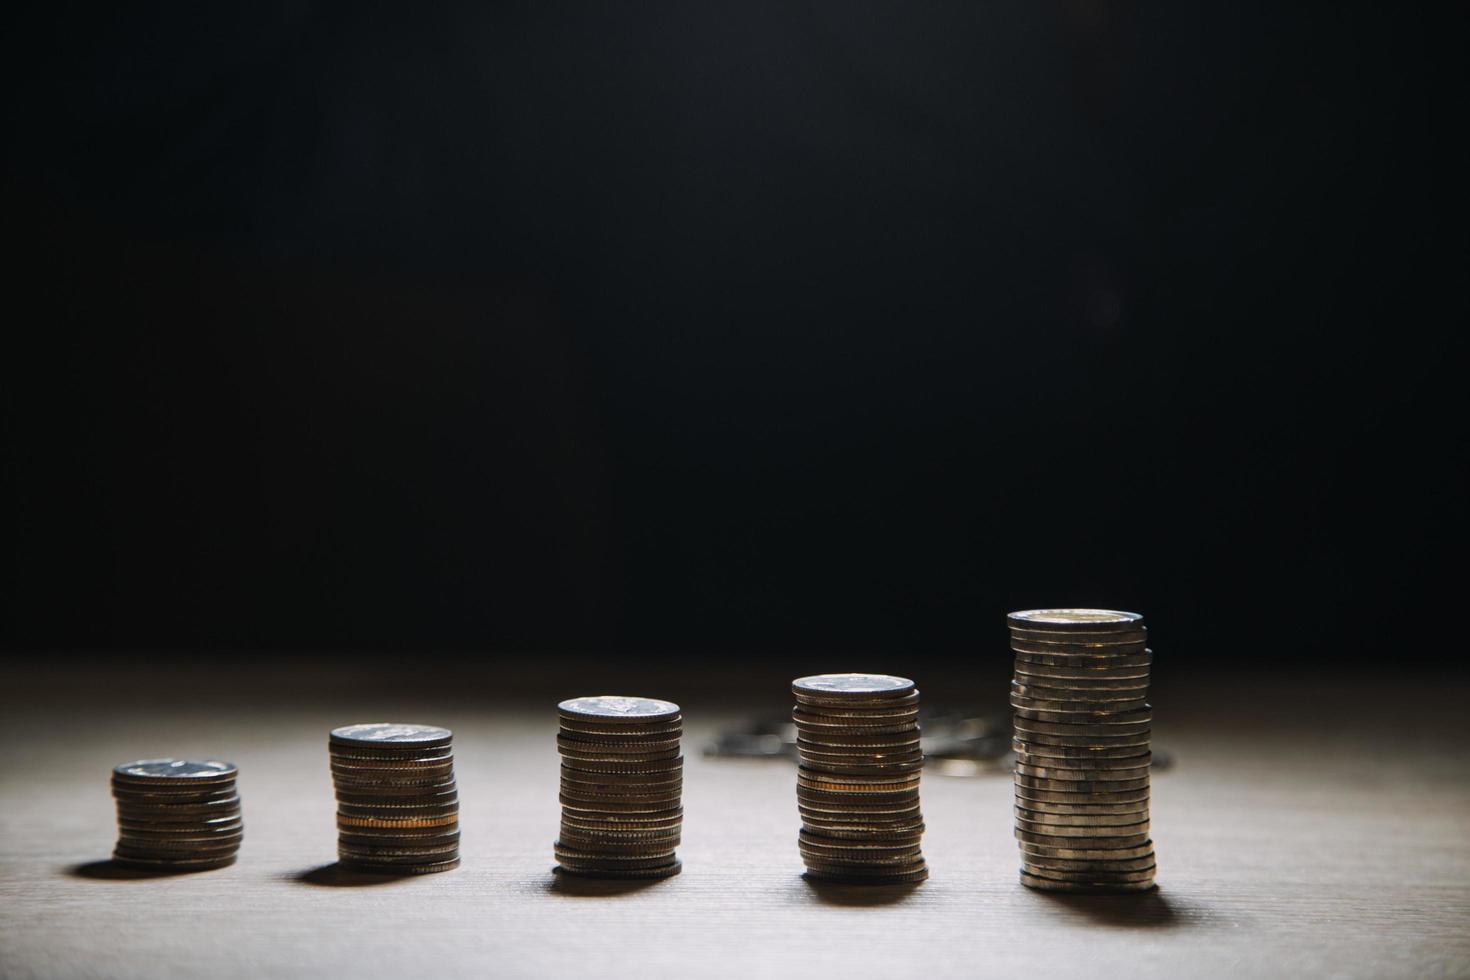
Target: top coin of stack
[397, 803]
[177, 814]
[1082, 726]
[857, 785]
[622, 780]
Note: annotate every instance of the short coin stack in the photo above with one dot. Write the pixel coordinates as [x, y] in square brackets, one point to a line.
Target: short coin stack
[177, 814]
[397, 803]
[1082, 724]
[857, 785]
[622, 781]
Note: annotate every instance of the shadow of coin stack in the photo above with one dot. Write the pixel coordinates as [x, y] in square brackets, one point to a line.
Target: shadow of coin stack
[397, 802]
[177, 814]
[1082, 724]
[622, 781]
[857, 784]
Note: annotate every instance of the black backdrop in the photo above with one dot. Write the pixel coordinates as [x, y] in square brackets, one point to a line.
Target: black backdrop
[668, 328]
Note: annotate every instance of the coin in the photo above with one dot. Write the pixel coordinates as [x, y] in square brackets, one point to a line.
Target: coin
[1079, 636]
[1075, 620]
[856, 686]
[1084, 661]
[606, 825]
[174, 864]
[1071, 850]
[828, 741]
[1094, 877]
[1087, 754]
[401, 869]
[1089, 831]
[668, 760]
[1078, 707]
[155, 771]
[667, 871]
[1096, 843]
[618, 730]
[901, 878]
[390, 823]
[616, 782]
[587, 839]
[811, 724]
[1036, 816]
[607, 707]
[1142, 716]
[1027, 755]
[908, 873]
[1081, 775]
[1111, 786]
[1062, 689]
[1097, 879]
[1099, 865]
[372, 734]
[389, 757]
[398, 770]
[158, 793]
[1076, 799]
[1100, 673]
[1136, 742]
[1101, 887]
[1112, 727]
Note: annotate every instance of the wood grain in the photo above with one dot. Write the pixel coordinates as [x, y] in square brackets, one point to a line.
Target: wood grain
[1325, 837]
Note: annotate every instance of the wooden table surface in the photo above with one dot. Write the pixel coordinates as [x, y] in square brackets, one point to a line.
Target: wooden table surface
[1321, 832]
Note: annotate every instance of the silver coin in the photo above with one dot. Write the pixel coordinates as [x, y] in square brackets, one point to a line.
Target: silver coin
[1078, 620]
[1080, 786]
[608, 707]
[1090, 831]
[1084, 764]
[1041, 673]
[1073, 709]
[163, 770]
[1097, 637]
[854, 685]
[1076, 661]
[392, 733]
[1144, 874]
[1061, 689]
[1072, 852]
[1082, 819]
[1100, 842]
[1099, 864]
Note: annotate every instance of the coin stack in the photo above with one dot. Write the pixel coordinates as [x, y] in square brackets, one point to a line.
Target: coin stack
[857, 785]
[622, 781]
[1082, 725]
[177, 814]
[397, 803]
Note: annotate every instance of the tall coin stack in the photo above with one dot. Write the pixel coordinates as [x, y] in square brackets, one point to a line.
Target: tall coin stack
[622, 781]
[857, 785]
[177, 814]
[1082, 723]
[397, 802]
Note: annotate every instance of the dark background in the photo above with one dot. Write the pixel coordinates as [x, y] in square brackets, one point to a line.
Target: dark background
[687, 329]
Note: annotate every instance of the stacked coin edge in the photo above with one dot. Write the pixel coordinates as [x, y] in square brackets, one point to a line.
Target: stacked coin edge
[621, 788]
[397, 798]
[1082, 742]
[859, 766]
[177, 815]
